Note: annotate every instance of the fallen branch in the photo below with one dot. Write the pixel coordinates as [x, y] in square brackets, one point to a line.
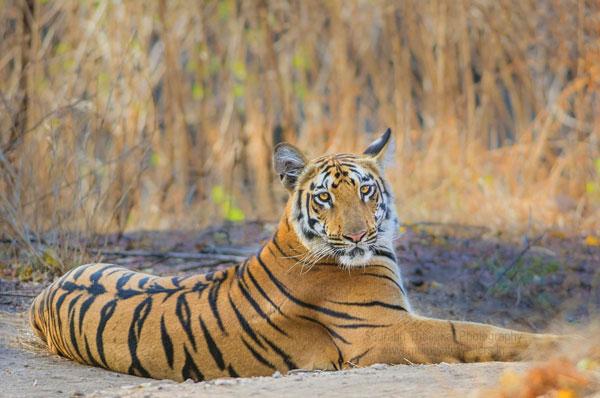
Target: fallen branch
[193, 266]
[212, 253]
[187, 256]
[15, 294]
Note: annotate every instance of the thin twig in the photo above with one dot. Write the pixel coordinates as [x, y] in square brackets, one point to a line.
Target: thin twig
[15, 294]
[190, 267]
[516, 260]
[212, 253]
[189, 256]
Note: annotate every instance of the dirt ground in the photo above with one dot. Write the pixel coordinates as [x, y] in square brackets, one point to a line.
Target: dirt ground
[27, 371]
[451, 272]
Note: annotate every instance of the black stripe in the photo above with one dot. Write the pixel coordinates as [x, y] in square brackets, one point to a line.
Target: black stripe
[96, 275]
[258, 310]
[167, 343]
[182, 310]
[212, 346]
[387, 268]
[72, 334]
[89, 353]
[106, 313]
[355, 360]
[311, 221]
[244, 323]
[83, 309]
[374, 303]
[453, 329]
[385, 277]
[274, 240]
[135, 330]
[256, 355]
[286, 358]
[143, 281]
[361, 326]
[213, 295]
[283, 289]
[77, 272]
[263, 293]
[190, 369]
[385, 253]
[124, 279]
[308, 234]
[232, 371]
[299, 201]
[328, 329]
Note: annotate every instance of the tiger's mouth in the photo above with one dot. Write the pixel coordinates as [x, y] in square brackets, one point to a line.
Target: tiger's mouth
[357, 251]
[355, 255]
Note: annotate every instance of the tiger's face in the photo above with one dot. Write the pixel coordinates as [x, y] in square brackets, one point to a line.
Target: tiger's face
[341, 204]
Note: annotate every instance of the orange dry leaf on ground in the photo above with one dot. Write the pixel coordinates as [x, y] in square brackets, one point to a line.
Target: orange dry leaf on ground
[592, 241]
[556, 378]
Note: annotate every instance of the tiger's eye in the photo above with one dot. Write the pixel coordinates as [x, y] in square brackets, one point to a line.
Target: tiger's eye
[324, 196]
[365, 189]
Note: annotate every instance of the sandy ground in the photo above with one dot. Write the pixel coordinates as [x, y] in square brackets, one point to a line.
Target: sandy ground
[447, 275]
[27, 370]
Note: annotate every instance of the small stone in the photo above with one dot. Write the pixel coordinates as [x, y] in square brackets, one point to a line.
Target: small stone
[76, 394]
[277, 374]
[379, 366]
[224, 382]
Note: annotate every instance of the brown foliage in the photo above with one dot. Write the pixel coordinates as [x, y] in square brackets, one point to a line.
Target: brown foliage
[125, 115]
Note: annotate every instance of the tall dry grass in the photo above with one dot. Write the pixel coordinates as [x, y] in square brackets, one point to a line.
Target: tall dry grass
[119, 115]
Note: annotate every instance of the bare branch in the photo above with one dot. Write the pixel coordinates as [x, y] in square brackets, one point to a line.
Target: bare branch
[189, 256]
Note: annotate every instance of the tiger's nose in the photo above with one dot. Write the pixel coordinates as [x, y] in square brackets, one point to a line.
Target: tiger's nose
[356, 237]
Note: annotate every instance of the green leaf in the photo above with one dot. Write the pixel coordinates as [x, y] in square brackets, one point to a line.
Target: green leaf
[224, 10]
[239, 70]
[238, 91]
[191, 66]
[197, 91]
[62, 48]
[217, 194]
[590, 187]
[235, 214]
[51, 258]
[301, 91]
[154, 159]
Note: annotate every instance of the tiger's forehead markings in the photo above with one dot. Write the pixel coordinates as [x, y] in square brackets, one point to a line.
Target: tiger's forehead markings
[337, 169]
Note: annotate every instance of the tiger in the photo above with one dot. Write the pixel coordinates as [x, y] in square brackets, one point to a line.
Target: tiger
[323, 293]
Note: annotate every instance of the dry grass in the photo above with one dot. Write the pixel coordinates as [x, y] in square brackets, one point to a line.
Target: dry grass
[120, 115]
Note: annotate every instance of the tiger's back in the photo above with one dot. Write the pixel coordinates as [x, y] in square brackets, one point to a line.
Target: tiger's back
[222, 324]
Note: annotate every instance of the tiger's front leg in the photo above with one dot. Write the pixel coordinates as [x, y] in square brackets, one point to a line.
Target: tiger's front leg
[422, 340]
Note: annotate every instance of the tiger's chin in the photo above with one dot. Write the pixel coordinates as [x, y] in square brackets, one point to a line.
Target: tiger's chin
[355, 257]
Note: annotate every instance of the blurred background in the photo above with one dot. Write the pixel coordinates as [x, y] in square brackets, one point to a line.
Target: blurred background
[126, 115]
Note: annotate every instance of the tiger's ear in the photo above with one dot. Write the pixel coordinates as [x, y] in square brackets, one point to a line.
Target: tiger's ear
[289, 163]
[382, 149]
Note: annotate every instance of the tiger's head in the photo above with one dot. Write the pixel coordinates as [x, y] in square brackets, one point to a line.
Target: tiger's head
[341, 206]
